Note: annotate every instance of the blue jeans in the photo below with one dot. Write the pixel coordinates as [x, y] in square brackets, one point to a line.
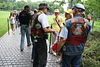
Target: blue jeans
[16, 25]
[32, 48]
[71, 61]
[25, 30]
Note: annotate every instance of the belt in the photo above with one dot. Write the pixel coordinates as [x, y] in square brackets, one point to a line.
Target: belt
[39, 40]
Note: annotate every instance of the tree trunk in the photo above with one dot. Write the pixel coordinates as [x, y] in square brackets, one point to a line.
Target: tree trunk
[93, 19]
[71, 4]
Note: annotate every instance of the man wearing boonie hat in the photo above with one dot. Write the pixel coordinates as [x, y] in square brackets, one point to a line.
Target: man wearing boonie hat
[73, 38]
[58, 20]
[39, 32]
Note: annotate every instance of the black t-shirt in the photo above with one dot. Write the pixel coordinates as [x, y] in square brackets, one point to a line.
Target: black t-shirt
[24, 17]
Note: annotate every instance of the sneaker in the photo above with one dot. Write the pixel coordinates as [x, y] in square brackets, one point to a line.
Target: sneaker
[59, 61]
[29, 45]
[32, 60]
[21, 49]
[54, 53]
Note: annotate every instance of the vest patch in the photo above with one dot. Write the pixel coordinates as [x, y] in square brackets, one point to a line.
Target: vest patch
[77, 30]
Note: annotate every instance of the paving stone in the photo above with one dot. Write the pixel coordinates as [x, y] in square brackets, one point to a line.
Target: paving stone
[11, 56]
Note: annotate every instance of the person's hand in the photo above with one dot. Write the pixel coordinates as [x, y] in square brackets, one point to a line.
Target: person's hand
[58, 54]
[89, 17]
[51, 23]
[54, 32]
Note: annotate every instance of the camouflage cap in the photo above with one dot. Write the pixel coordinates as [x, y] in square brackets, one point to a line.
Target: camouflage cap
[79, 6]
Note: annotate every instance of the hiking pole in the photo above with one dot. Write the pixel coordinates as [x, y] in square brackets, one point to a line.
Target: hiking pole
[50, 41]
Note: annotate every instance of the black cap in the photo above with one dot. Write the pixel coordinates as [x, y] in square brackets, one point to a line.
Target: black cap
[26, 7]
[42, 5]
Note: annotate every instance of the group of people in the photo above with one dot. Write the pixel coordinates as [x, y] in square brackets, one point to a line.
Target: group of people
[71, 33]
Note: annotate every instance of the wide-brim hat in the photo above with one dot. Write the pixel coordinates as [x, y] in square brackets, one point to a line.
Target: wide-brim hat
[69, 11]
[43, 5]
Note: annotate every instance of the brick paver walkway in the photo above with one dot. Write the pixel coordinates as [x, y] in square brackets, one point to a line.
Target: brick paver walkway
[11, 56]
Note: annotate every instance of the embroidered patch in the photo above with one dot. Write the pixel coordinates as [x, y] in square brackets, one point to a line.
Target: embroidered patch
[38, 26]
[78, 30]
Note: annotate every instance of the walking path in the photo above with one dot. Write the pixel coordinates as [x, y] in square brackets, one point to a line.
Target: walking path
[11, 56]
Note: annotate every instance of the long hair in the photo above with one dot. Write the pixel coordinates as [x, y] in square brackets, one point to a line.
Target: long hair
[11, 14]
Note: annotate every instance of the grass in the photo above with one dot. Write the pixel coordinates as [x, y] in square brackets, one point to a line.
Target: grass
[91, 55]
[3, 20]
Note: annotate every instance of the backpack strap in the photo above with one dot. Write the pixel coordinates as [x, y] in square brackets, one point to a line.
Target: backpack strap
[57, 23]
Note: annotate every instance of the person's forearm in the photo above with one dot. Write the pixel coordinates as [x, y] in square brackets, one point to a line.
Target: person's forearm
[30, 22]
[61, 43]
[48, 30]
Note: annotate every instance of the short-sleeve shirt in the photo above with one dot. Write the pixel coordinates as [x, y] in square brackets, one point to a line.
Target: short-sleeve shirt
[43, 20]
[58, 20]
[64, 32]
[24, 17]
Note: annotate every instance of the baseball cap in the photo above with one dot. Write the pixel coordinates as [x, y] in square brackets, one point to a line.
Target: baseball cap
[15, 10]
[43, 5]
[79, 6]
[56, 10]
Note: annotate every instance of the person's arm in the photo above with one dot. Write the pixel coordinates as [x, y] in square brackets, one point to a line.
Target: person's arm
[10, 18]
[48, 30]
[29, 16]
[63, 36]
[61, 43]
[53, 22]
[30, 21]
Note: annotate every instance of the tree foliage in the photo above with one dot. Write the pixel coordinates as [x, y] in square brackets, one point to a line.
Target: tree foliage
[12, 5]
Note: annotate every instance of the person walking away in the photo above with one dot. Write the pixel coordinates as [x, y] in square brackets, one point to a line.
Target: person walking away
[73, 37]
[16, 15]
[25, 21]
[33, 18]
[12, 21]
[39, 32]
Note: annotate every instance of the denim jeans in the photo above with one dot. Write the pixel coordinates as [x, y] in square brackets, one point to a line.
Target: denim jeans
[16, 25]
[71, 61]
[25, 30]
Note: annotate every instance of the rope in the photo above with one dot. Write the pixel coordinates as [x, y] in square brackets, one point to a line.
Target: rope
[3, 26]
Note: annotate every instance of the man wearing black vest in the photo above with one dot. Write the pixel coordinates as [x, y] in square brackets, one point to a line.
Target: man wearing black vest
[39, 32]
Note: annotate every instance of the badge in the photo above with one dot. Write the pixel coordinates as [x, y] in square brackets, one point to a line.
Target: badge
[64, 48]
[35, 40]
[58, 21]
[38, 26]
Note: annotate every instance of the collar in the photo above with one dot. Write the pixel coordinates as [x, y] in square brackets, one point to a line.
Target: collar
[41, 11]
[78, 15]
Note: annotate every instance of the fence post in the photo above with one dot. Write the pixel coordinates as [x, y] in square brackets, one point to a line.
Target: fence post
[8, 26]
[50, 41]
